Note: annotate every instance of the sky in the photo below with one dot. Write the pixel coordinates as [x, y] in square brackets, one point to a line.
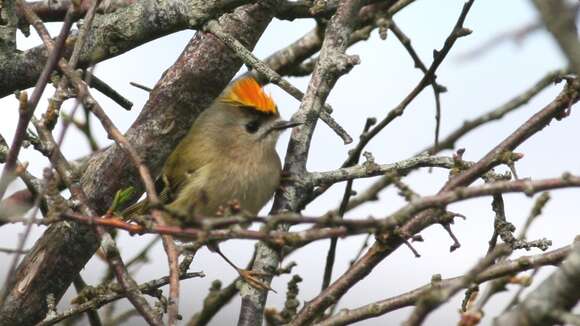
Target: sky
[384, 77]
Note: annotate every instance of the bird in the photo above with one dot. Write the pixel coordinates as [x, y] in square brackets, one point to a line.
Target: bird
[228, 155]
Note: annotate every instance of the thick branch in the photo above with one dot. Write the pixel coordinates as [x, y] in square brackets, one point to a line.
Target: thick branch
[187, 88]
[560, 291]
[560, 20]
[332, 64]
[116, 33]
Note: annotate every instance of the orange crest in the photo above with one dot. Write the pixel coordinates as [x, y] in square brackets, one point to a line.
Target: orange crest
[248, 93]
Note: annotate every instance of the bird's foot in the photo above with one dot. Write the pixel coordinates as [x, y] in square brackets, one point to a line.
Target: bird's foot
[252, 278]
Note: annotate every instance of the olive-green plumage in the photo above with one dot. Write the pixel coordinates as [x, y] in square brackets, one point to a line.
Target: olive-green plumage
[228, 155]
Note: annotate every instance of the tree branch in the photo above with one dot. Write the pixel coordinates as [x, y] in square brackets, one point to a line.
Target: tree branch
[560, 20]
[560, 291]
[186, 89]
[410, 298]
[116, 33]
[112, 295]
[332, 64]
[387, 244]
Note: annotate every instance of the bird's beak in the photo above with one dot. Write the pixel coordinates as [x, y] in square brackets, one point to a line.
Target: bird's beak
[283, 124]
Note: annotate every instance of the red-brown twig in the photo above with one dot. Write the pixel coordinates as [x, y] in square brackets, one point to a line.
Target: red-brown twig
[115, 134]
[107, 243]
[338, 228]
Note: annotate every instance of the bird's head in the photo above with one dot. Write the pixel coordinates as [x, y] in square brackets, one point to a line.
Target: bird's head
[245, 116]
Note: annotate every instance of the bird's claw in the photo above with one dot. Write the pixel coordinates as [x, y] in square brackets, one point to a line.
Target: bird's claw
[251, 277]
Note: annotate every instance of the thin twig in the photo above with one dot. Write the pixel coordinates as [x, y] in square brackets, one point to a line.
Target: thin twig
[339, 228]
[13, 251]
[347, 194]
[25, 115]
[64, 170]
[175, 104]
[498, 285]
[120, 139]
[113, 295]
[92, 314]
[559, 292]
[518, 101]
[10, 276]
[139, 257]
[437, 88]
[143, 87]
[439, 55]
[438, 295]
[411, 225]
[110, 92]
[89, 102]
[107, 242]
[450, 141]
[332, 64]
[457, 32]
[509, 267]
[273, 76]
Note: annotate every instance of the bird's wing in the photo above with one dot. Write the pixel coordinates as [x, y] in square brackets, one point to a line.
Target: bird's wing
[179, 167]
[166, 195]
[139, 208]
[168, 189]
[190, 156]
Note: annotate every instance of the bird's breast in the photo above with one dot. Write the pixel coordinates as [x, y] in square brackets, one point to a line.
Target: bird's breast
[251, 182]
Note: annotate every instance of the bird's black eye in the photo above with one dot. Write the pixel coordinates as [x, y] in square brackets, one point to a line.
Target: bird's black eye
[252, 126]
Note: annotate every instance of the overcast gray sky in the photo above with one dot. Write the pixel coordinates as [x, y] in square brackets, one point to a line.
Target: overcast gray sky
[381, 81]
